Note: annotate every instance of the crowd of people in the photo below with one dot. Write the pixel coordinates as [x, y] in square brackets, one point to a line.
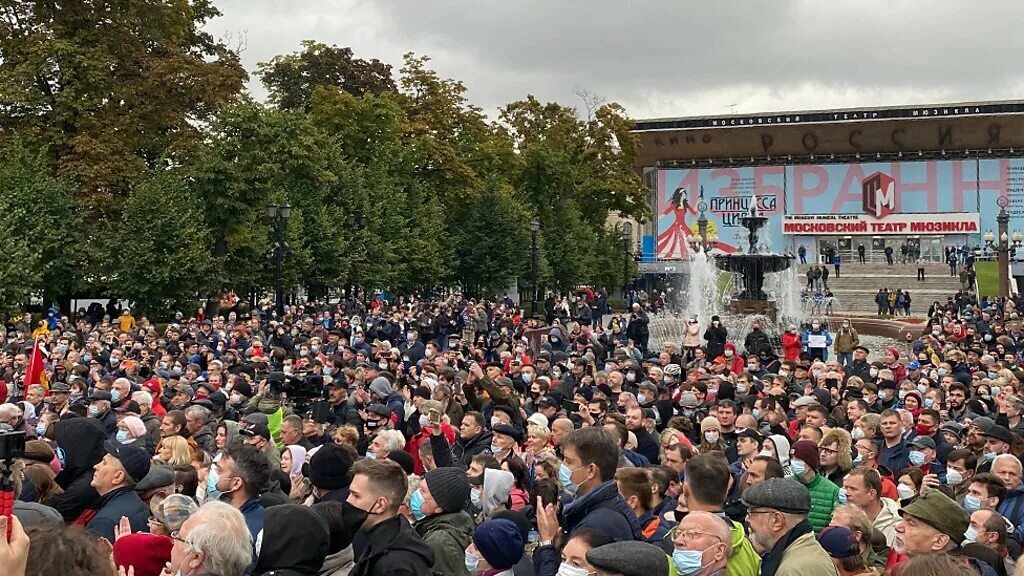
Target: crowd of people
[459, 437]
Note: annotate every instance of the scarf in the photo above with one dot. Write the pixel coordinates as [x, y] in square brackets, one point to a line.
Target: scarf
[772, 560]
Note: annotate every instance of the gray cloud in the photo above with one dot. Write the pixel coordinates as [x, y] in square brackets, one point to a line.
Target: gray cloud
[670, 58]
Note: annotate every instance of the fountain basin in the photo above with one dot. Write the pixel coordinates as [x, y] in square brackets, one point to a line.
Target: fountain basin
[752, 269]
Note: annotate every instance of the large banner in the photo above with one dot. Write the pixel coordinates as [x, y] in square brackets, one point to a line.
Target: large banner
[879, 192]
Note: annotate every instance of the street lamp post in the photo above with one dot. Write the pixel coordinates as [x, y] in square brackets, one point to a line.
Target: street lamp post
[1003, 221]
[279, 216]
[627, 237]
[356, 223]
[534, 228]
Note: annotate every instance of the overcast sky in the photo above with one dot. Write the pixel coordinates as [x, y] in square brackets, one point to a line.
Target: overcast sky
[669, 57]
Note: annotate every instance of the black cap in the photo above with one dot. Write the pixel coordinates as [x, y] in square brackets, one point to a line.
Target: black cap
[135, 460]
[1001, 433]
[508, 430]
[547, 402]
[100, 395]
[255, 429]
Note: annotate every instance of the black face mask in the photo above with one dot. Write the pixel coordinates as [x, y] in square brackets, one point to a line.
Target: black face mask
[352, 517]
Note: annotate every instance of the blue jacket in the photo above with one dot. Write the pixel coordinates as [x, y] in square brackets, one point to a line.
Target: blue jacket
[896, 458]
[804, 339]
[252, 511]
[604, 510]
[120, 502]
[1012, 508]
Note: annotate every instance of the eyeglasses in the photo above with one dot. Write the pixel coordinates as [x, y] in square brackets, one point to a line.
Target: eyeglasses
[174, 536]
[689, 535]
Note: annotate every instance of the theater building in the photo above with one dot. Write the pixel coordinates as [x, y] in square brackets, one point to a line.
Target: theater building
[924, 176]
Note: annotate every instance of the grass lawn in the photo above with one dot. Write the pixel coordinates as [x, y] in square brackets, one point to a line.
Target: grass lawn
[988, 278]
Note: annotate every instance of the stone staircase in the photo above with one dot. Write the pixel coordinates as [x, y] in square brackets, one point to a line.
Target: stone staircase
[855, 290]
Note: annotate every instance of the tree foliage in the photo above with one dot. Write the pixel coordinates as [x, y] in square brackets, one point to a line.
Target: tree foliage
[130, 114]
[166, 258]
[111, 87]
[291, 79]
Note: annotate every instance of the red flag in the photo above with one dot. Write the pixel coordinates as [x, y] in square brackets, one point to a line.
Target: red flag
[35, 372]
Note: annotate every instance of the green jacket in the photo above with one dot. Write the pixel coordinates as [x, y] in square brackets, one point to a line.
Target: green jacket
[448, 535]
[846, 340]
[497, 397]
[824, 497]
[744, 561]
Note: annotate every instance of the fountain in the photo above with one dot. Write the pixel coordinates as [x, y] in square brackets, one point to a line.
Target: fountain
[751, 267]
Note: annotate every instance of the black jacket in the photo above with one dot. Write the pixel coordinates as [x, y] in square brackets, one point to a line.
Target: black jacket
[464, 450]
[716, 338]
[604, 510]
[647, 445]
[112, 506]
[295, 541]
[395, 549]
[81, 440]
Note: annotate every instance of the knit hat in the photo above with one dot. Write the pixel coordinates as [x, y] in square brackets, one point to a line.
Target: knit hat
[710, 423]
[894, 351]
[328, 468]
[839, 542]
[381, 387]
[449, 487]
[629, 558]
[782, 494]
[807, 451]
[173, 510]
[404, 459]
[147, 553]
[135, 426]
[499, 542]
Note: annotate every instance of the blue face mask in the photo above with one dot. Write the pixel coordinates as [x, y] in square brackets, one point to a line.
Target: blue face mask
[858, 460]
[471, 562]
[916, 457]
[122, 436]
[211, 486]
[798, 467]
[687, 562]
[565, 477]
[972, 504]
[416, 505]
[990, 456]
[115, 395]
[842, 496]
[40, 429]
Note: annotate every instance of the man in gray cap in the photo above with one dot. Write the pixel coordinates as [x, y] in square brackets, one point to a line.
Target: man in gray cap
[779, 529]
[629, 558]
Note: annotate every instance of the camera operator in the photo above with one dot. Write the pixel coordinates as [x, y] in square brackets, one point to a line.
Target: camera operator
[343, 409]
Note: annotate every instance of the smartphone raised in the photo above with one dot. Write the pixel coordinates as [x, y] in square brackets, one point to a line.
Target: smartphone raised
[433, 416]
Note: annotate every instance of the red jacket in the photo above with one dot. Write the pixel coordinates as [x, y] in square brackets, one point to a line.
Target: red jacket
[791, 346]
[413, 445]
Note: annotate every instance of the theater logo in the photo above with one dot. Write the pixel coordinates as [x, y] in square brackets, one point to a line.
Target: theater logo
[879, 195]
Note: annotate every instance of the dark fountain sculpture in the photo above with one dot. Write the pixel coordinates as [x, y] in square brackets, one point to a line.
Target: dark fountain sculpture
[751, 268]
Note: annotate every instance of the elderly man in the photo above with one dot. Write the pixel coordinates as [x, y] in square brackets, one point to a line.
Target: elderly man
[214, 540]
[195, 423]
[114, 479]
[931, 524]
[1008, 469]
[703, 544]
[776, 512]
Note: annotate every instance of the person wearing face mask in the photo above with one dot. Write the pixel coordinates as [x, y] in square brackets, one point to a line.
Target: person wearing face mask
[437, 508]
[816, 341]
[711, 436]
[702, 545]
[377, 490]
[824, 493]
[497, 546]
[242, 472]
[99, 410]
[716, 336]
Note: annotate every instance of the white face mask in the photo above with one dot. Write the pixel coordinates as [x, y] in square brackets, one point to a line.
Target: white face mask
[566, 569]
[711, 436]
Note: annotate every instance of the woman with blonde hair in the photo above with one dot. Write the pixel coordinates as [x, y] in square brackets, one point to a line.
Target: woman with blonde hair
[538, 441]
[174, 451]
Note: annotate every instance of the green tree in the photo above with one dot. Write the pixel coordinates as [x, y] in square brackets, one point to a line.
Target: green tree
[292, 79]
[111, 88]
[493, 240]
[40, 235]
[167, 258]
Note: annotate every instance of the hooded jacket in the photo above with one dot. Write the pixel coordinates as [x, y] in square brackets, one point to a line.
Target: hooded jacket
[81, 440]
[497, 486]
[716, 337]
[394, 549]
[339, 563]
[448, 535]
[295, 542]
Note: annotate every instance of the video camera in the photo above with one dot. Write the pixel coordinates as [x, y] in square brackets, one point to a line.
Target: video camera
[298, 389]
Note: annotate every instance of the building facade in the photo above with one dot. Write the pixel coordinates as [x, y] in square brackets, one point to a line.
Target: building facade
[924, 177]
